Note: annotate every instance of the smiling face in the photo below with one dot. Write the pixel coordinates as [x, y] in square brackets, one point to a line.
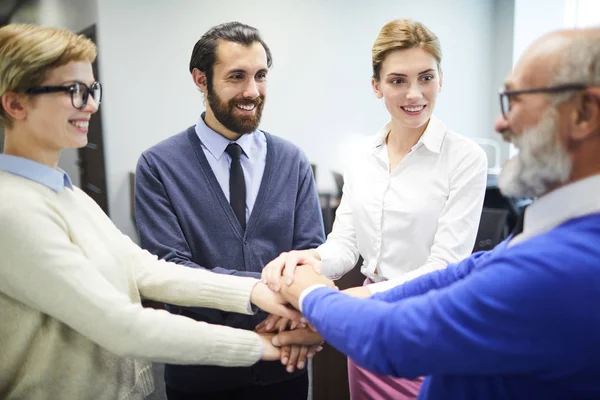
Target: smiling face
[409, 82]
[51, 121]
[236, 94]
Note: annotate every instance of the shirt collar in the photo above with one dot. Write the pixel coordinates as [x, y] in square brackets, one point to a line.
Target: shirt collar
[216, 143]
[432, 138]
[55, 179]
[571, 201]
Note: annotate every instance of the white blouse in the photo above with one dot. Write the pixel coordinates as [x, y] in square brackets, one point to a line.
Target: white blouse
[416, 219]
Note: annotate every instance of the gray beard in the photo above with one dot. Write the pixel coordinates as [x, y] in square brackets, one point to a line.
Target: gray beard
[541, 165]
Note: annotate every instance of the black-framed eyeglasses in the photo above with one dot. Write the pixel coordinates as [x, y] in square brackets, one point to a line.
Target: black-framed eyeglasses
[507, 95]
[80, 92]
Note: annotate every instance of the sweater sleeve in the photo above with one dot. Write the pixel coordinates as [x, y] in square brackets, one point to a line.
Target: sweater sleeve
[308, 220]
[43, 269]
[498, 320]
[158, 225]
[434, 280]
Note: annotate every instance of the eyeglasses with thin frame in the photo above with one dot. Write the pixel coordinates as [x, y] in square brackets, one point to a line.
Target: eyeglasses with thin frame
[506, 95]
[80, 92]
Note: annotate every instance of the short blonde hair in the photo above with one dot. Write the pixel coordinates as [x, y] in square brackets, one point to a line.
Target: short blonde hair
[404, 34]
[28, 53]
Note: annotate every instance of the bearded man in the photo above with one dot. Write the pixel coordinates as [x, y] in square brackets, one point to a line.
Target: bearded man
[228, 197]
[520, 321]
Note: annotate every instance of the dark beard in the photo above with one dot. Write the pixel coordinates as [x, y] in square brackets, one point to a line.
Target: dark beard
[223, 112]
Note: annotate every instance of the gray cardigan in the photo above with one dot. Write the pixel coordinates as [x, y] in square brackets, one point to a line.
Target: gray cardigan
[183, 216]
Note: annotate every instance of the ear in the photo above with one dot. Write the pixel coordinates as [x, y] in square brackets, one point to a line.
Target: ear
[13, 105]
[376, 88]
[586, 115]
[441, 80]
[200, 80]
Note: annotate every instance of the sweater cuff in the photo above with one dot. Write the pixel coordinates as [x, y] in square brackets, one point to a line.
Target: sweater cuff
[306, 292]
[233, 294]
[240, 347]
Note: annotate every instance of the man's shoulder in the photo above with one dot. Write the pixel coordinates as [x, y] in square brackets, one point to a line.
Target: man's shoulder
[169, 148]
[280, 143]
[284, 148]
[572, 242]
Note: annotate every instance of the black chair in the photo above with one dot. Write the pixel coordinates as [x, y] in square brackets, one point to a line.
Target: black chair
[339, 183]
[493, 229]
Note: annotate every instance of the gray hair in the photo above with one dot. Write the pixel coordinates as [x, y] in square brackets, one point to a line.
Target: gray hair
[580, 63]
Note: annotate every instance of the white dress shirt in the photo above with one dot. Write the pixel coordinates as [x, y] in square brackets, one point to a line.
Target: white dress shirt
[416, 219]
[571, 201]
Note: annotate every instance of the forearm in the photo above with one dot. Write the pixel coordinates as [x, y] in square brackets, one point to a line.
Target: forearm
[414, 274]
[217, 270]
[158, 336]
[175, 284]
[430, 281]
[357, 337]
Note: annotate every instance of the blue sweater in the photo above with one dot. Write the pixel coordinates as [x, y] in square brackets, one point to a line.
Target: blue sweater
[183, 216]
[519, 322]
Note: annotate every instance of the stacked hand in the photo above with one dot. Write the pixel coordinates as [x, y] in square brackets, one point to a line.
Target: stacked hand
[282, 270]
[297, 344]
[273, 302]
[283, 281]
[284, 267]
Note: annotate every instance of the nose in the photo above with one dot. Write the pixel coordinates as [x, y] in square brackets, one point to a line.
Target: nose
[414, 92]
[501, 124]
[251, 90]
[91, 106]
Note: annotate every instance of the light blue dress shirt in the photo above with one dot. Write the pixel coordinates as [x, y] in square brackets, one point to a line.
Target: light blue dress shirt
[55, 179]
[253, 159]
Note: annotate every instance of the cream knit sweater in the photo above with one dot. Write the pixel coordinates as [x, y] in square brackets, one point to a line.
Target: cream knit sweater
[71, 322]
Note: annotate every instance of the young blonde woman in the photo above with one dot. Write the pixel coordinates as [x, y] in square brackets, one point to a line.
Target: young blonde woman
[413, 196]
[73, 326]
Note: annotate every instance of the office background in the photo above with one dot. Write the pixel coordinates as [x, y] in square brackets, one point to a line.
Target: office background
[319, 94]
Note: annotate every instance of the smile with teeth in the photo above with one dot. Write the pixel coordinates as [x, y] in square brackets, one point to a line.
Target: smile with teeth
[413, 108]
[246, 107]
[80, 124]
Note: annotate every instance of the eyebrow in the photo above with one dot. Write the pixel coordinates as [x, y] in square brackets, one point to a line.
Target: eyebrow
[420, 73]
[73, 81]
[243, 71]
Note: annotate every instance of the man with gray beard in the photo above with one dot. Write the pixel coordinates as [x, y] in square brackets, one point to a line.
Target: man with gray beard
[520, 321]
[228, 197]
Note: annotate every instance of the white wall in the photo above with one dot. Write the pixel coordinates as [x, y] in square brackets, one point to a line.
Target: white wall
[75, 15]
[501, 54]
[534, 18]
[319, 89]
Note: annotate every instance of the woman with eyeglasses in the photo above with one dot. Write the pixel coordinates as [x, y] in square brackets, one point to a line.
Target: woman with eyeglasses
[413, 196]
[71, 321]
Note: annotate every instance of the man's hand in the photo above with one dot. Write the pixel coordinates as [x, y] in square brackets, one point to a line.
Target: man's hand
[275, 323]
[285, 265]
[297, 346]
[270, 352]
[305, 277]
[304, 336]
[272, 302]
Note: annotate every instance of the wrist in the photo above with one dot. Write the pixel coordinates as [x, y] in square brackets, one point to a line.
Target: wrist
[314, 253]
